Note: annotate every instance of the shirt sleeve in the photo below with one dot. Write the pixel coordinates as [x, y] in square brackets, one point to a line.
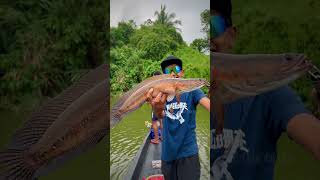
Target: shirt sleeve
[197, 96]
[283, 105]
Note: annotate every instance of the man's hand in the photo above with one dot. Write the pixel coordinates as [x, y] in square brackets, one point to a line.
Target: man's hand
[157, 101]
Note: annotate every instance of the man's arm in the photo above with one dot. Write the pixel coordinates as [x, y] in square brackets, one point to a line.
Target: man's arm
[304, 129]
[287, 113]
[205, 102]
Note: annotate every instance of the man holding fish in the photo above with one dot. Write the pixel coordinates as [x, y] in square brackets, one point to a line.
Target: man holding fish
[180, 158]
[243, 146]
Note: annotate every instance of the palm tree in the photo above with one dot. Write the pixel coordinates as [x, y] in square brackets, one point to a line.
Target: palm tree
[166, 19]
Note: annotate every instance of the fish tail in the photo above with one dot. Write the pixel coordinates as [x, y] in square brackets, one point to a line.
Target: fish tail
[14, 166]
[115, 118]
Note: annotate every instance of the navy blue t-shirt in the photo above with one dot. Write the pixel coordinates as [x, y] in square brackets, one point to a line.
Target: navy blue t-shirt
[179, 124]
[252, 127]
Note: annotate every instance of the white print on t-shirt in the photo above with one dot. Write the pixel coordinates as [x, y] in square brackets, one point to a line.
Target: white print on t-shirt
[231, 141]
[178, 116]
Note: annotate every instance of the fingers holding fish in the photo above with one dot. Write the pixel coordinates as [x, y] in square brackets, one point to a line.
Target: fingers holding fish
[159, 100]
[149, 95]
[158, 103]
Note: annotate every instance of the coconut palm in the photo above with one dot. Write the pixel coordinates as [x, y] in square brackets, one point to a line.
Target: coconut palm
[166, 19]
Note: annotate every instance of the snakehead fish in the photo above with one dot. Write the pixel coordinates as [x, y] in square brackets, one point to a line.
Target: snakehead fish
[137, 96]
[67, 125]
[236, 76]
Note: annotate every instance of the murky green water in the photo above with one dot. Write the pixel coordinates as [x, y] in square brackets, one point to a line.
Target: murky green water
[127, 137]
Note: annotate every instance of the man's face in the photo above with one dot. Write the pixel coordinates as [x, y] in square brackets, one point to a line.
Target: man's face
[174, 69]
[225, 41]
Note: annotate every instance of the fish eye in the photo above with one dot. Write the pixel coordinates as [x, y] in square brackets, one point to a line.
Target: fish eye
[288, 57]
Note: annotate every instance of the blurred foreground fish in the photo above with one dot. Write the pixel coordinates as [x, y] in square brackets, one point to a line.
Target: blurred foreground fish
[67, 125]
[237, 76]
[137, 96]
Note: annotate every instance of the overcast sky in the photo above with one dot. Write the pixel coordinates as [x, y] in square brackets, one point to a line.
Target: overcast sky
[188, 11]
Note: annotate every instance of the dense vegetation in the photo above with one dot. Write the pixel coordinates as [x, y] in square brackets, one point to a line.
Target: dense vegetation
[137, 51]
[46, 45]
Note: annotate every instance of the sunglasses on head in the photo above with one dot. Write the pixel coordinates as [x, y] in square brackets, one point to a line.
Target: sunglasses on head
[218, 26]
[175, 69]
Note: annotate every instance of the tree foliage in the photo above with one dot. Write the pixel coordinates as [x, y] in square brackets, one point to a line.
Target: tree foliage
[121, 35]
[200, 44]
[45, 45]
[166, 19]
[148, 45]
[205, 22]
[156, 40]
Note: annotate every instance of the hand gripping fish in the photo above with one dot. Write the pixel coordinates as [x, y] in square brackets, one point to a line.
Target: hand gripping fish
[236, 76]
[137, 96]
[67, 125]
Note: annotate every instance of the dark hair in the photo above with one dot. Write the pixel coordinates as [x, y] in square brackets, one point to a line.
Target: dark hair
[223, 7]
[169, 61]
[156, 73]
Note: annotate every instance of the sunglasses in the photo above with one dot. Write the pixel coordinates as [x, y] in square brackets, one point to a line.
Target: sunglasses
[218, 26]
[175, 69]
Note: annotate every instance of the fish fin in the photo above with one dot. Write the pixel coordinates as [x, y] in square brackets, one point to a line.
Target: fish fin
[218, 109]
[170, 97]
[127, 94]
[117, 114]
[81, 148]
[44, 116]
[14, 166]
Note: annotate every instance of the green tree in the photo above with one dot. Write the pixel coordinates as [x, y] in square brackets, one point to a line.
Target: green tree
[167, 19]
[156, 40]
[205, 22]
[128, 68]
[45, 45]
[120, 35]
[200, 44]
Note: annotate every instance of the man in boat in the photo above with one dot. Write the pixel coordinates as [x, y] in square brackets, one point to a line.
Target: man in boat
[180, 160]
[247, 148]
[156, 121]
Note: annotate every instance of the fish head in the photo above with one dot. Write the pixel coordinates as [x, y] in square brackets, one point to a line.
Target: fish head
[250, 75]
[187, 85]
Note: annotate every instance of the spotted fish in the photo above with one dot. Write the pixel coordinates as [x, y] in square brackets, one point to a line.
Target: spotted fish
[237, 76]
[136, 97]
[67, 125]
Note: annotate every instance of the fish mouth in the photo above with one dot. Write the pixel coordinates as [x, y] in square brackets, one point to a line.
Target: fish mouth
[199, 84]
[299, 65]
[302, 64]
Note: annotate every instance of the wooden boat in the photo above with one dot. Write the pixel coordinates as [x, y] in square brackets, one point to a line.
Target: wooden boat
[142, 167]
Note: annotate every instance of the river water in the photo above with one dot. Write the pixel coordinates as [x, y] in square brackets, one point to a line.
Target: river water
[127, 137]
